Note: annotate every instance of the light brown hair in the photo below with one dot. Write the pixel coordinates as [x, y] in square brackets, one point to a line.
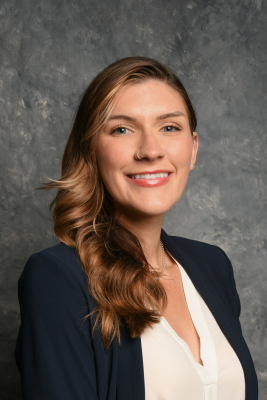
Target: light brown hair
[123, 284]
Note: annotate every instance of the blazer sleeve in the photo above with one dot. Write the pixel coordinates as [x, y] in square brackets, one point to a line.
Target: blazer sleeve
[54, 351]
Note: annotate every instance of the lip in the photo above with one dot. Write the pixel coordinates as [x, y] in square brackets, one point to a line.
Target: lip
[150, 182]
[157, 171]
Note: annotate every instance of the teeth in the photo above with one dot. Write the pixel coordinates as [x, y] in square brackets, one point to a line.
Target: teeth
[150, 176]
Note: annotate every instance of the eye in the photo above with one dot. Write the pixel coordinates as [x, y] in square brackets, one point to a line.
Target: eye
[170, 128]
[120, 130]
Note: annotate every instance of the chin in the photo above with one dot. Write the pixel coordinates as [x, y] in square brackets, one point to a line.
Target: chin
[145, 206]
[151, 210]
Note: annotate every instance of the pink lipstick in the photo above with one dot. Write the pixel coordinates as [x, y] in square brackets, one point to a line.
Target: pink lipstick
[150, 178]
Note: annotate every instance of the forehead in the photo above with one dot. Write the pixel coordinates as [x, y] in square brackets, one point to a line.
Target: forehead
[151, 96]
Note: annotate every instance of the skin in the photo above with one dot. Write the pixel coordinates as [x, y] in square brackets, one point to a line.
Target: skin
[139, 123]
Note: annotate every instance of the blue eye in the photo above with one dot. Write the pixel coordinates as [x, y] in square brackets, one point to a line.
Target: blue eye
[120, 130]
[170, 128]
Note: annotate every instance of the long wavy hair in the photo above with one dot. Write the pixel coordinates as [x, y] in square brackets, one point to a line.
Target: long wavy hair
[123, 284]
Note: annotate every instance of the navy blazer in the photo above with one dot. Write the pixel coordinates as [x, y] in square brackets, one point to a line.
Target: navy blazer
[60, 359]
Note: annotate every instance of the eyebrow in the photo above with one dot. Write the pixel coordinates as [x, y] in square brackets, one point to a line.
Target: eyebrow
[121, 116]
[170, 115]
[160, 117]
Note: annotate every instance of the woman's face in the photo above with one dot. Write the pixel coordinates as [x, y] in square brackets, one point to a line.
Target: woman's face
[149, 118]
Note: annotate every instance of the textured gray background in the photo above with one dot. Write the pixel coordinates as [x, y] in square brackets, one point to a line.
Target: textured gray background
[51, 49]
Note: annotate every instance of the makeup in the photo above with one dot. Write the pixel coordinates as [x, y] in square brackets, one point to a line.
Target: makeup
[150, 178]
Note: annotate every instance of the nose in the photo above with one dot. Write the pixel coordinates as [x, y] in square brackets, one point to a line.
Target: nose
[150, 147]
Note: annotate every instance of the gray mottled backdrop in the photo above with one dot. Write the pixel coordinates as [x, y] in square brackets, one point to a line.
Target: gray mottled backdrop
[51, 49]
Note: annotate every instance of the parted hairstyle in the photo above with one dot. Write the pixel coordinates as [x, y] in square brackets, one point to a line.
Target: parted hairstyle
[125, 287]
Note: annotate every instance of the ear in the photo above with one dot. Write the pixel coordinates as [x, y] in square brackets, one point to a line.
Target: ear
[194, 150]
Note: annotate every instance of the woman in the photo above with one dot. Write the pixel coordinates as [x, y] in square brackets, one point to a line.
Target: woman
[120, 310]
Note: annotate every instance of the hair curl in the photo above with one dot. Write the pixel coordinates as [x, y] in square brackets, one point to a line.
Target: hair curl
[120, 279]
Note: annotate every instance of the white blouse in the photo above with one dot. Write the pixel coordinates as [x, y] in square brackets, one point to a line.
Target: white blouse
[170, 370]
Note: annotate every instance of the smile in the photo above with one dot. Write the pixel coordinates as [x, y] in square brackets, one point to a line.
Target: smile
[149, 176]
[150, 179]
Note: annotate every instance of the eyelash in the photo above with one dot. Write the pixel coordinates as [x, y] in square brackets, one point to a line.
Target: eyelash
[118, 127]
[177, 128]
[113, 131]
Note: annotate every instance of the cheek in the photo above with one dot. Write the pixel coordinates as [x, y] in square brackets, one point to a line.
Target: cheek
[105, 155]
[110, 160]
[180, 153]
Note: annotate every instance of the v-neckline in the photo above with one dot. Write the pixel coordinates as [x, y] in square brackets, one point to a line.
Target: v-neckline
[170, 326]
[181, 341]
[208, 358]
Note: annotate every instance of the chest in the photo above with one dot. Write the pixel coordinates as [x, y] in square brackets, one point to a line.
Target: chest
[177, 313]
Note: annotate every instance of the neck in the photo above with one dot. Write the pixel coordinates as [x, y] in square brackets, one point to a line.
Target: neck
[148, 230]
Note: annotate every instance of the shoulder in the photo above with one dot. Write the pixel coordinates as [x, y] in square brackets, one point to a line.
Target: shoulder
[59, 257]
[213, 263]
[55, 268]
[208, 257]
[199, 250]
[200, 255]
